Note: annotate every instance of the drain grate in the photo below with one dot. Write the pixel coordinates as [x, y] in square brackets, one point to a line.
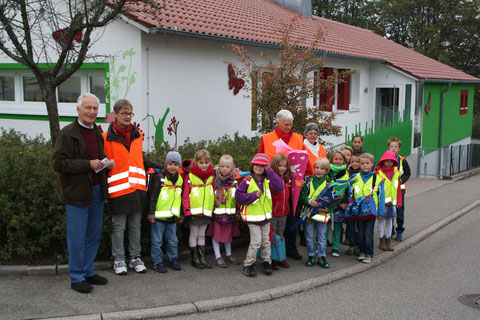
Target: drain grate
[471, 300]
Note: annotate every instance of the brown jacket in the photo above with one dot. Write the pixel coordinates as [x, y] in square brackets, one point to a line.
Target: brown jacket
[71, 160]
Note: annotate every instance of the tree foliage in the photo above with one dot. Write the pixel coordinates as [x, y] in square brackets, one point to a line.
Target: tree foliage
[287, 84]
[28, 29]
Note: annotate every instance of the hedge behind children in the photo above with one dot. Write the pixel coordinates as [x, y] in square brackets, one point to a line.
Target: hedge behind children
[224, 225]
[255, 194]
[165, 191]
[367, 183]
[198, 201]
[395, 145]
[318, 222]
[281, 201]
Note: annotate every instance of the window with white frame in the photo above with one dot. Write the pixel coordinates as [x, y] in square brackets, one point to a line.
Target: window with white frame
[21, 94]
[342, 96]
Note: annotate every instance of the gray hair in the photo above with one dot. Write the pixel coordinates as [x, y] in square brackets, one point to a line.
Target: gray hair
[311, 126]
[89, 95]
[283, 115]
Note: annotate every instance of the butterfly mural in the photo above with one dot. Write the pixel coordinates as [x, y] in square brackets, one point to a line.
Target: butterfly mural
[61, 37]
[233, 82]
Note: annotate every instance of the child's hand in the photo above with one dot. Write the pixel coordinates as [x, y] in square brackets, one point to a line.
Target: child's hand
[379, 217]
[259, 194]
[343, 206]
[324, 210]
[178, 220]
[303, 182]
[313, 203]
[152, 221]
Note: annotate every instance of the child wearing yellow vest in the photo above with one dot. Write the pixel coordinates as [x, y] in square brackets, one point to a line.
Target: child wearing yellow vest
[224, 225]
[165, 192]
[387, 170]
[255, 195]
[310, 191]
[198, 201]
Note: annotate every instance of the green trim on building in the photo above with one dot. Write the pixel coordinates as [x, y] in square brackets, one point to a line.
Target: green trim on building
[455, 126]
[105, 67]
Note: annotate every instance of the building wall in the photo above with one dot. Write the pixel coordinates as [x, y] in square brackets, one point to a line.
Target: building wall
[455, 126]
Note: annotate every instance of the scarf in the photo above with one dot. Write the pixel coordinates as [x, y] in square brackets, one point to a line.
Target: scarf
[124, 133]
[284, 136]
[222, 189]
[171, 177]
[336, 172]
[194, 169]
[314, 148]
[388, 172]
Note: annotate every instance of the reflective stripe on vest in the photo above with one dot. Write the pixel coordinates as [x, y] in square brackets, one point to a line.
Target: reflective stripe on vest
[169, 199]
[403, 186]
[295, 142]
[391, 187]
[202, 198]
[128, 174]
[230, 205]
[313, 194]
[260, 209]
[365, 189]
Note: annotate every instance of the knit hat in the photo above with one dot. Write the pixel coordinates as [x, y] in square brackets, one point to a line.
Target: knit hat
[311, 126]
[261, 159]
[173, 156]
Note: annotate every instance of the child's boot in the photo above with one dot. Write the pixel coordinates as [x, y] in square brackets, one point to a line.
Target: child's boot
[382, 246]
[201, 251]
[388, 242]
[195, 259]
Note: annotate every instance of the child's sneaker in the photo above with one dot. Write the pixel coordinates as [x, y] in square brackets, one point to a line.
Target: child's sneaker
[361, 257]
[120, 268]
[175, 265]
[267, 268]
[311, 261]
[399, 237]
[367, 259]
[232, 260]
[275, 265]
[249, 270]
[159, 267]
[322, 262]
[350, 251]
[138, 265]
[357, 251]
[284, 264]
[219, 262]
[335, 253]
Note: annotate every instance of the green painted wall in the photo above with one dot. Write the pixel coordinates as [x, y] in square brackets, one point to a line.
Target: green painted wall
[455, 126]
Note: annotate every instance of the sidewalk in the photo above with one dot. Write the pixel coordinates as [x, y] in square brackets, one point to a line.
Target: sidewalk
[51, 296]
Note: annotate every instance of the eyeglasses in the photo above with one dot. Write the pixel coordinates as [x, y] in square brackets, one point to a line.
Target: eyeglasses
[126, 114]
[312, 133]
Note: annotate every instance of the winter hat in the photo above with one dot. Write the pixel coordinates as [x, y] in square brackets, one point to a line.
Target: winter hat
[173, 156]
[311, 126]
[261, 159]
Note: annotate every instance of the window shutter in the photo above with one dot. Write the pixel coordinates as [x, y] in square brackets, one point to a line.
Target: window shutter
[463, 102]
[344, 92]
[326, 98]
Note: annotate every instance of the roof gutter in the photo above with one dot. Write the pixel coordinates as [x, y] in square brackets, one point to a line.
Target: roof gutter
[196, 35]
[450, 81]
[440, 135]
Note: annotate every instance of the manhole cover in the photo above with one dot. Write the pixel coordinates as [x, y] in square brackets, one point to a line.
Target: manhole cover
[471, 300]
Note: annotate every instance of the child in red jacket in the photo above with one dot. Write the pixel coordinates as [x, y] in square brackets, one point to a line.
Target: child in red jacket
[281, 201]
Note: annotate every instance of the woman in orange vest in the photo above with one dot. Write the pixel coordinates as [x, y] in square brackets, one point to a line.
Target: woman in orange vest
[126, 186]
[314, 148]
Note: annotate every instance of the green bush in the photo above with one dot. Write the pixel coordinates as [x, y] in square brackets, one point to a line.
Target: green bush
[32, 219]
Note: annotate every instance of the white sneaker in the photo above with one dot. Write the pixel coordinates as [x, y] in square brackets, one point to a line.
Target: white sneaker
[138, 265]
[120, 267]
[361, 257]
[367, 259]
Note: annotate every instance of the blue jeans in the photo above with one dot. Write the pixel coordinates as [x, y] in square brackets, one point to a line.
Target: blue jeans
[352, 234]
[365, 236]
[321, 229]
[84, 230]
[401, 215]
[170, 231]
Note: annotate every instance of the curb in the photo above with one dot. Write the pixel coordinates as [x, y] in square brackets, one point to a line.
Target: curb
[283, 291]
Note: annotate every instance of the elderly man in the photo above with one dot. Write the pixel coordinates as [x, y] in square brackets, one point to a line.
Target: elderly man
[77, 157]
[283, 130]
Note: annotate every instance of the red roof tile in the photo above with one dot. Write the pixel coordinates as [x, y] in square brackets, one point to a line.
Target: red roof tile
[258, 20]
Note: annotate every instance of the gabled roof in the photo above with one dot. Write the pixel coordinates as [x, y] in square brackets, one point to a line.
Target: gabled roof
[258, 21]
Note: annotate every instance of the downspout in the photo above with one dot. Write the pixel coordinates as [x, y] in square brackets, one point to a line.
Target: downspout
[440, 136]
[148, 95]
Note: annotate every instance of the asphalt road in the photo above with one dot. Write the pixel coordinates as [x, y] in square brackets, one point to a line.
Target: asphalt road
[424, 282]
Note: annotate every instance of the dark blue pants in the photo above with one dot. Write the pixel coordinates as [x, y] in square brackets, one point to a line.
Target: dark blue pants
[290, 235]
[84, 230]
[352, 234]
[401, 215]
[365, 236]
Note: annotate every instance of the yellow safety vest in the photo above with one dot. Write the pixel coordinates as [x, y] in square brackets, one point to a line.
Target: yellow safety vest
[365, 189]
[313, 194]
[202, 198]
[230, 205]
[260, 209]
[403, 186]
[391, 187]
[169, 199]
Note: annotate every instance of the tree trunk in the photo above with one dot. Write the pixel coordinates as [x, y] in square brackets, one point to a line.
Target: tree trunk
[52, 111]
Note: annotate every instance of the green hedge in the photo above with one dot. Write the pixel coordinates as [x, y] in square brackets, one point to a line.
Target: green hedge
[32, 220]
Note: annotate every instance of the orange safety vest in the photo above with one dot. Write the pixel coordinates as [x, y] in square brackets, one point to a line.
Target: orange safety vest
[312, 157]
[296, 143]
[128, 174]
